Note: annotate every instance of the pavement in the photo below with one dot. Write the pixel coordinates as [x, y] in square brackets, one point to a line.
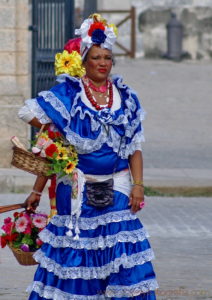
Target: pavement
[177, 153]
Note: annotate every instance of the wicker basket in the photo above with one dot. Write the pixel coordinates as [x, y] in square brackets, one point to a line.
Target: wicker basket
[28, 161]
[24, 258]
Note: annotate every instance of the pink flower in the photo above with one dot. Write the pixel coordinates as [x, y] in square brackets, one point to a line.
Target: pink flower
[39, 242]
[7, 227]
[21, 224]
[7, 220]
[39, 221]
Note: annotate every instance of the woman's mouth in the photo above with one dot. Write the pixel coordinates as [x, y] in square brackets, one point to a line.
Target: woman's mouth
[102, 70]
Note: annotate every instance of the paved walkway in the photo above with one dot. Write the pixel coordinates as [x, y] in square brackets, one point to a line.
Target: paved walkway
[181, 236]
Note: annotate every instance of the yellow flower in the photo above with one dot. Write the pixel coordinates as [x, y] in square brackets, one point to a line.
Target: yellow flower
[115, 29]
[69, 63]
[69, 167]
[62, 154]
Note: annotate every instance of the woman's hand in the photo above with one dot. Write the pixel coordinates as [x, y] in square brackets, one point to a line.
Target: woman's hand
[136, 197]
[32, 201]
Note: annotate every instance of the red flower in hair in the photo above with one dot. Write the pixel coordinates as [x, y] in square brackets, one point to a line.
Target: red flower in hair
[94, 26]
[51, 149]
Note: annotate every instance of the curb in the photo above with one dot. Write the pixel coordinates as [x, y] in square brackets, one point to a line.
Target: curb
[13, 180]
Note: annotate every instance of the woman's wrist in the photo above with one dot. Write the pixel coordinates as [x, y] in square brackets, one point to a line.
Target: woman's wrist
[37, 192]
[138, 183]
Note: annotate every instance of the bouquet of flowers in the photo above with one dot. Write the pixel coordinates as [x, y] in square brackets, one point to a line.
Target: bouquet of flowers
[61, 156]
[21, 235]
[22, 231]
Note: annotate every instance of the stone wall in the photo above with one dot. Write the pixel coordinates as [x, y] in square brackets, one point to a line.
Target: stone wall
[153, 15]
[14, 72]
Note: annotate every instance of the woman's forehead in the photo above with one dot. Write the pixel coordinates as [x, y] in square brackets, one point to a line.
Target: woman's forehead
[95, 49]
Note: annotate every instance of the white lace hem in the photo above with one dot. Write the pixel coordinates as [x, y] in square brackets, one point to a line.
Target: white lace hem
[132, 290]
[93, 272]
[99, 242]
[94, 222]
[49, 292]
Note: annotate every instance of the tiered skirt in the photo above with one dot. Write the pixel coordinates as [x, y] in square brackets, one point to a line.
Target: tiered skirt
[111, 259]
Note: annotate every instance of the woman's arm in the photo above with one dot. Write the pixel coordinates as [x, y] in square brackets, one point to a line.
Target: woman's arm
[35, 122]
[137, 192]
[33, 199]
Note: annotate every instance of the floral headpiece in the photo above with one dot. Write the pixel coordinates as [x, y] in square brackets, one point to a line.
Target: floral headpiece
[96, 31]
[70, 60]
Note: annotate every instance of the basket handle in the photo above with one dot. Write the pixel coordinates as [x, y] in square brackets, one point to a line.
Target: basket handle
[41, 130]
[10, 207]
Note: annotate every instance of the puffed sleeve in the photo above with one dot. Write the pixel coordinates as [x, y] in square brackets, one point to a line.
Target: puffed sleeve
[31, 109]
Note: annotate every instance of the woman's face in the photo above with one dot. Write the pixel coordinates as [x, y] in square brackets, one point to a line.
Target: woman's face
[98, 64]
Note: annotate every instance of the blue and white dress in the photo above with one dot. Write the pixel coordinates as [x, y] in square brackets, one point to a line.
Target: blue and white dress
[90, 253]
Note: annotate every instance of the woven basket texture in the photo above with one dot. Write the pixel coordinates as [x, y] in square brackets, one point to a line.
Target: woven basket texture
[24, 258]
[29, 162]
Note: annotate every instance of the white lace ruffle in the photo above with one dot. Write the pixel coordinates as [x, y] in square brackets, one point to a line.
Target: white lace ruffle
[86, 145]
[99, 242]
[132, 290]
[93, 223]
[93, 272]
[31, 106]
[49, 292]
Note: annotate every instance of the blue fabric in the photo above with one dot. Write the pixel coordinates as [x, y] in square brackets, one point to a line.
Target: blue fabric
[124, 282]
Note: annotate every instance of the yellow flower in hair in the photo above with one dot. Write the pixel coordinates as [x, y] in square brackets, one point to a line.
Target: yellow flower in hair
[115, 29]
[69, 63]
[98, 18]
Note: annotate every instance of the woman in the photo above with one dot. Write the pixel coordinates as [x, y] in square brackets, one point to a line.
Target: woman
[91, 252]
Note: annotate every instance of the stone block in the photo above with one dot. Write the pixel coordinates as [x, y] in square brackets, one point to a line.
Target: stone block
[15, 99]
[8, 85]
[7, 40]
[7, 17]
[22, 40]
[22, 63]
[24, 85]
[10, 124]
[22, 14]
[7, 63]
[5, 153]
[8, 3]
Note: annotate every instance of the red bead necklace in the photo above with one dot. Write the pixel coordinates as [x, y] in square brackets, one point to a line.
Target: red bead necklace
[99, 89]
[92, 99]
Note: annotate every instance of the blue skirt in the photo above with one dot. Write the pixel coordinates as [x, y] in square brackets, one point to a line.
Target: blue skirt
[111, 259]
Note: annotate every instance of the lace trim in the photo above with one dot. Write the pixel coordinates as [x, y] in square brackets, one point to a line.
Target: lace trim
[49, 292]
[93, 272]
[93, 243]
[132, 290]
[86, 145]
[37, 111]
[93, 223]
